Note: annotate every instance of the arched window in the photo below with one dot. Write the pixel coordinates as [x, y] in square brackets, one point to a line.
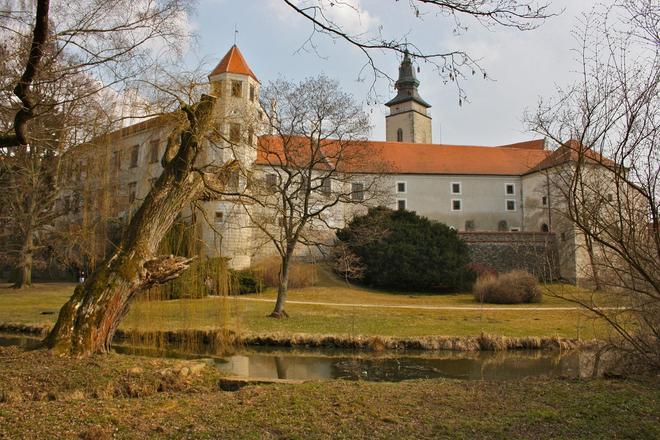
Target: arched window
[545, 228]
[399, 135]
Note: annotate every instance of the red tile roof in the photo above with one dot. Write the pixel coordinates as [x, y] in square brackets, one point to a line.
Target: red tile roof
[409, 158]
[233, 62]
[571, 151]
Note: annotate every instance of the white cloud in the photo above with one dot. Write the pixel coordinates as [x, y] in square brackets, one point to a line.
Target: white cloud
[348, 15]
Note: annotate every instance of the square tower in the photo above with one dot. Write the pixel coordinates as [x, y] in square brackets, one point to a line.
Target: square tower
[408, 120]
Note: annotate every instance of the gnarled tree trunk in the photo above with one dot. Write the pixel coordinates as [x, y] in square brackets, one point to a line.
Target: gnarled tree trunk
[88, 321]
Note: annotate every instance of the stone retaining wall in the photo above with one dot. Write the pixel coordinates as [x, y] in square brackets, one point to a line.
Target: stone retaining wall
[505, 251]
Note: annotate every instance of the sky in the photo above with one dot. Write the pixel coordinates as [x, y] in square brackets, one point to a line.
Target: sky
[522, 67]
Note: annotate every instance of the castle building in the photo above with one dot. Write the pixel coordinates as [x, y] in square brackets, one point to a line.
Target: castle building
[485, 190]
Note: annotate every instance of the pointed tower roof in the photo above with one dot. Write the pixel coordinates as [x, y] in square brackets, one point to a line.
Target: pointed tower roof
[406, 85]
[233, 62]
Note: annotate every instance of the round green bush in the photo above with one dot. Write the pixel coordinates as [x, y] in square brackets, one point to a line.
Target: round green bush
[404, 251]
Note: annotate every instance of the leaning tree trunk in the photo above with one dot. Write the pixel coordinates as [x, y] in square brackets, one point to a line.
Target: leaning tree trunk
[88, 321]
[25, 260]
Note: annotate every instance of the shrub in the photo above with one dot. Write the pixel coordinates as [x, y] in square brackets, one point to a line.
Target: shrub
[300, 274]
[401, 250]
[246, 281]
[514, 287]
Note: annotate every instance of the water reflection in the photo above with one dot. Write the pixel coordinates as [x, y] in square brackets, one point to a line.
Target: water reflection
[278, 363]
[488, 366]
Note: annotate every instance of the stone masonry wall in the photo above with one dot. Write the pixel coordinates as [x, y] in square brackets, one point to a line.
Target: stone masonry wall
[505, 251]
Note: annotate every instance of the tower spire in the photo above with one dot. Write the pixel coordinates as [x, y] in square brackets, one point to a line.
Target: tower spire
[407, 84]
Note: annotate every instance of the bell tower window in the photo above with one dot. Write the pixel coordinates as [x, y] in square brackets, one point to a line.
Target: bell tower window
[399, 135]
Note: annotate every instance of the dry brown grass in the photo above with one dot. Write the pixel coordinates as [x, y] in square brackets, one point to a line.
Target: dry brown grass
[300, 274]
[515, 287]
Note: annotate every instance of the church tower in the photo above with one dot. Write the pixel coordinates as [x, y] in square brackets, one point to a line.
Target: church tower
[408, 120]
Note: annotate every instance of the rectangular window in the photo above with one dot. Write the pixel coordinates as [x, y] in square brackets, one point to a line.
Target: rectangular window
[154, 151]
[401, 187]
[135, 156]
[116, 160]
[236, 89]
[252, 93]
[456, 205]
[271, 180]
[219, 216]
[132, 192]
[401, 204]
[326, 186]
[357, 191]
[234, 179]
[610, 197]
[544, 200]
[456, 187]
[510, 205]
[510, 189]
[234, 132]
[514, 229]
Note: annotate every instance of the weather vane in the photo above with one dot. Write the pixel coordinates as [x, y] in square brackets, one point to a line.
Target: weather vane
[235, 33]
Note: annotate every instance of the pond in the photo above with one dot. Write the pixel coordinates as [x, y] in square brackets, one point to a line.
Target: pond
[315, 364]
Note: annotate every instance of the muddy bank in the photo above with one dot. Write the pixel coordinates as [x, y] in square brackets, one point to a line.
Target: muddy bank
[227, 339]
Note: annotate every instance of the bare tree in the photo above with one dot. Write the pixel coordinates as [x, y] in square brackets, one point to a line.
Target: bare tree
[452, 65]
[607, 183]
[313, 169]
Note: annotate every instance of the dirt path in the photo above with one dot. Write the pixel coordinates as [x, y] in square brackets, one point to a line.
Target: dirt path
[406, 306]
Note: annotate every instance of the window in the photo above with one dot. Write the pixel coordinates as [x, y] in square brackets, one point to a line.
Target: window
[456, 205]
[132, 192]
[116, 160]
[357, 191]
[456, 187]
[545, 227]
[610, 197]
[135, 156]
[219, 217]
[544, 200]
[326, 186]
[510, 189]
[401, 187]
[250, 136]
[234, 179]
[401, 204]
[510, 205]
[271, 180]
[252, 93]
[515, 229]
[234, 132]
[399, 135]
[154, 151]
[236, 89]
[563, 236]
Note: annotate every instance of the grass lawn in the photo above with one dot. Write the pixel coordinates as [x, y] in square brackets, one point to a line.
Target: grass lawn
[114, 396]
[39, 306]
